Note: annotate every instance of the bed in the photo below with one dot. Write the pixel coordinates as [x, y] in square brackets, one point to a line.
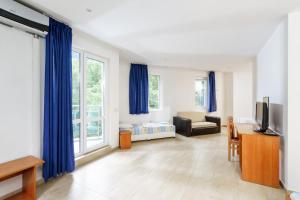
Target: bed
[149, 131]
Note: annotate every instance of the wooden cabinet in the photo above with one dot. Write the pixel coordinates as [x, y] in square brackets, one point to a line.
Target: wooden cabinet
[259, 156]
[125, 139]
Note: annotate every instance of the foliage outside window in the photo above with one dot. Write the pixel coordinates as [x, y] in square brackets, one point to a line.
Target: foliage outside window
[154, 91]
[94, 87]
[201, 93]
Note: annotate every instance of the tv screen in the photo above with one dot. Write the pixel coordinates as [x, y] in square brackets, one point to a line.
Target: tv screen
[262, 114]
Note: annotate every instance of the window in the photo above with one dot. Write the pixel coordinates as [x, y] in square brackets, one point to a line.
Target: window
[201, 93]
[88, 79]
[154, 92]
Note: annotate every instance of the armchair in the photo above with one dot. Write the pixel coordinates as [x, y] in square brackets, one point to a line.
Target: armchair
[196, 123]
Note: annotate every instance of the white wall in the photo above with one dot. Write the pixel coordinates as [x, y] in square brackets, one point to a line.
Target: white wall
[177, 87]
[21, 102]
[271, 80]
[293, 102]
[278, 77]
[228, 95]
[243, 93]
[20, 105]
[271, 66]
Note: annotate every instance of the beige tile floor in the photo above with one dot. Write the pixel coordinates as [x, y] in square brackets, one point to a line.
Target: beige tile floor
[178, 169]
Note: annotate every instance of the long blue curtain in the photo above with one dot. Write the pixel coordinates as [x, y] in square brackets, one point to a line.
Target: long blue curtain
[138, 89]
[58, 152]
[212, 100]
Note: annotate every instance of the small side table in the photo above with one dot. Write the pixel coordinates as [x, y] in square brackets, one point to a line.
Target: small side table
[125, 139]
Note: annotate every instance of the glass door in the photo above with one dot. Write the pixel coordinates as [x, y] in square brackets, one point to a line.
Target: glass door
[94, 102]
[88, 98]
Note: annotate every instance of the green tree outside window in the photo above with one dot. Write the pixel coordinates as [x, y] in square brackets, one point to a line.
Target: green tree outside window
[154, 92]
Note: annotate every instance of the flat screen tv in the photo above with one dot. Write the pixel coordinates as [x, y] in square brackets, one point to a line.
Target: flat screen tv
[262, 115]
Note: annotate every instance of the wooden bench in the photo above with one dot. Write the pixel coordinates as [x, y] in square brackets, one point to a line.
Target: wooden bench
[24, 166]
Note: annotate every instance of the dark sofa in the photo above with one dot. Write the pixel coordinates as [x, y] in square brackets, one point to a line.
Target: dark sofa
[196, 124]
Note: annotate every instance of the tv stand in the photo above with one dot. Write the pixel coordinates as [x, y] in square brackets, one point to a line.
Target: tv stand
[259, 155]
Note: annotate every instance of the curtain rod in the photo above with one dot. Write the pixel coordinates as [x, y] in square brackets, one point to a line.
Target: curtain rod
[138, 63]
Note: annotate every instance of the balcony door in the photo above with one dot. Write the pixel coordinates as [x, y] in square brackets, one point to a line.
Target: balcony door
[88, 93]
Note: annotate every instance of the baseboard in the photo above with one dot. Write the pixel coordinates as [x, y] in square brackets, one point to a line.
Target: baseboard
[11, 194]
[82, 160]
[39, 182]
[288, 193]
[283, 185]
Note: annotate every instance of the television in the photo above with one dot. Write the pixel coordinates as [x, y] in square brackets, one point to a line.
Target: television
[262, 115]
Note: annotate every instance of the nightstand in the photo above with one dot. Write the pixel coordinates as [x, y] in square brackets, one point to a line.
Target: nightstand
[125, 139]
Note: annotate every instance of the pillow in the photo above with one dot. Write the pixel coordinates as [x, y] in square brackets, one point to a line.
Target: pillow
[125, 126]
[194, 116]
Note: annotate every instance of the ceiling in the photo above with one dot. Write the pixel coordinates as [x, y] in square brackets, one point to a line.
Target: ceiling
[181, 33]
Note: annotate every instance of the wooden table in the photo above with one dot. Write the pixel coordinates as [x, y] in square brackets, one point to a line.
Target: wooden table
[25, 166]
[259, 156]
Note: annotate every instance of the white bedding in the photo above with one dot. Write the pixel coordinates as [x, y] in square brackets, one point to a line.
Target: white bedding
[148, 131]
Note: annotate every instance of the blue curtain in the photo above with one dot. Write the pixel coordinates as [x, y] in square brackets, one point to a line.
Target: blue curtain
[58, 152]
[212, 100]
[138, 89]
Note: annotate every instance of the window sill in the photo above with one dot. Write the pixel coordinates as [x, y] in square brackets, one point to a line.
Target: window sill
[155, 110]
[201, 108]
[86, 158]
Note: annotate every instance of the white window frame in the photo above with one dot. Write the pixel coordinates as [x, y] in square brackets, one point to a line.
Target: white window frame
[204, 107]
[159, 94]
[80, 120]
[83, 103]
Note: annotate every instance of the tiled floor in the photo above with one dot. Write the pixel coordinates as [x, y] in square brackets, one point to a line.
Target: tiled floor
[177, 169]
